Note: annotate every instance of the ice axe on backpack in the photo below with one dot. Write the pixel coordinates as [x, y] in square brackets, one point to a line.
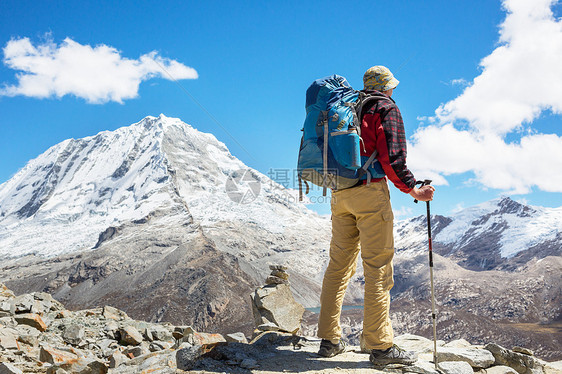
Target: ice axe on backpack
[433, 315]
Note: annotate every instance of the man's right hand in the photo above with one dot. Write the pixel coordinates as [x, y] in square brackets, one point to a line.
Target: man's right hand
[424, 193]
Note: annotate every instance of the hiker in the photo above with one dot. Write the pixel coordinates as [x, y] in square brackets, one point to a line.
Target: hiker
[362, 221]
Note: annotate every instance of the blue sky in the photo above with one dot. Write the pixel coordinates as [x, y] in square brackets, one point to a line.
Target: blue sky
[494, 84]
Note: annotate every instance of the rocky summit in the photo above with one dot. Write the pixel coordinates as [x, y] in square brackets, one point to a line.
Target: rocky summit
[39, 335]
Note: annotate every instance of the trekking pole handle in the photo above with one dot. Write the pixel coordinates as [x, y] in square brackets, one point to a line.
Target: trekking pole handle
[425, 182]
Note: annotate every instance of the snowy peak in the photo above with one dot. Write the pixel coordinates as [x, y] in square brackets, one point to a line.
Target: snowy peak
[85, 175]
[508, 206]
[487, 235]
[61, 201]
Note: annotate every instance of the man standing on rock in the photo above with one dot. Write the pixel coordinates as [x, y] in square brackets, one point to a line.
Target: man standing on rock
[362, 220]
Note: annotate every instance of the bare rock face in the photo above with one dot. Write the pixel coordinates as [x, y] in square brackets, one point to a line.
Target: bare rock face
[275, 304]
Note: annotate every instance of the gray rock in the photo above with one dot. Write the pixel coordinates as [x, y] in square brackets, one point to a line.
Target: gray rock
[525, 351]
[181, 331]
[5, 292]
[477, 358]
[137, 351]
[269, 326]
[186, 358]
[459, 343]
[114, 313]
[237, 337]
[107, 347]
[116, 359]
[31, 319]
[9, 343]
[130, 335]
[43, 303]
[73, 334]
[111, 330]
[23, 303]
[455, 367]
[414, 343]
[556, 365]
[159, 346]
[272, 280]
[421, 367]
[55, 356]
[276, 304]
[6, 368]
[278, 267]
[280, 274]
[31, 340]
[8, 308]
[8, 321]
[27, 330]
[500, 369]
[82, 365]
[522, 363]
[8, 339]
[158, 333]
[249, 363]
[162, 362]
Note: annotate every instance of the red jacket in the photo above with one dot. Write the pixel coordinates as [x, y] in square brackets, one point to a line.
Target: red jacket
[382, 129]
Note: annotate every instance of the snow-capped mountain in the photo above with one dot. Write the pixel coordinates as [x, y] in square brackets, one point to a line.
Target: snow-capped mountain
[117, 213]
[61, 201]
[498, 233]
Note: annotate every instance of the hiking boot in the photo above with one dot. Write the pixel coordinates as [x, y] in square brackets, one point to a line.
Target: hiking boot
[329, 349]
[392, 355]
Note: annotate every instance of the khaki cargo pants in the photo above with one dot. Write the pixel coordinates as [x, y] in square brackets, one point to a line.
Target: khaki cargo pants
[361, 222]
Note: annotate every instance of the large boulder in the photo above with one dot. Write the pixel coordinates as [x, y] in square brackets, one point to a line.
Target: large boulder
[6, 368]
[477, 358]
[522, 363]
[31, 319]
[5, 293]
[455, 367]
[130, 336]
[275, 304]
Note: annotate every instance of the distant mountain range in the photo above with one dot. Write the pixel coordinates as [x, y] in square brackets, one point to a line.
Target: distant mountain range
[499, 234]
[160, 220]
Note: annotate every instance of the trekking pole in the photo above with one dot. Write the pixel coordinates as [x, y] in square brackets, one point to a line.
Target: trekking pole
[433, 315]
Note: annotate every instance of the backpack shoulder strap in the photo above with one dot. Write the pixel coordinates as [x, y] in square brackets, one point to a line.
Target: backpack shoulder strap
[366, 102]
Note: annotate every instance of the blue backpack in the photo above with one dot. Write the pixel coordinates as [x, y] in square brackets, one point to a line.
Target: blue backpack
[330, 151]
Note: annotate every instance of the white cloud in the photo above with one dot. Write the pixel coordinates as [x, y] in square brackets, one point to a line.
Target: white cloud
[520, 79]
[457, 208]
[403, 212]
[459, 82]
[97, 74]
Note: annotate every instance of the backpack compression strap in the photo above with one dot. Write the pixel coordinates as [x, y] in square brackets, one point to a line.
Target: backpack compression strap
[302, 180]
[325, 153]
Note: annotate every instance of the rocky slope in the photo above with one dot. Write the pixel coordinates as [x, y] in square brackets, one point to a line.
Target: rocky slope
[38, 335]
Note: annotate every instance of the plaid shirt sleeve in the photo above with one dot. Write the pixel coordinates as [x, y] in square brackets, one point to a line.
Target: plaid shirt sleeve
[391, 144]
